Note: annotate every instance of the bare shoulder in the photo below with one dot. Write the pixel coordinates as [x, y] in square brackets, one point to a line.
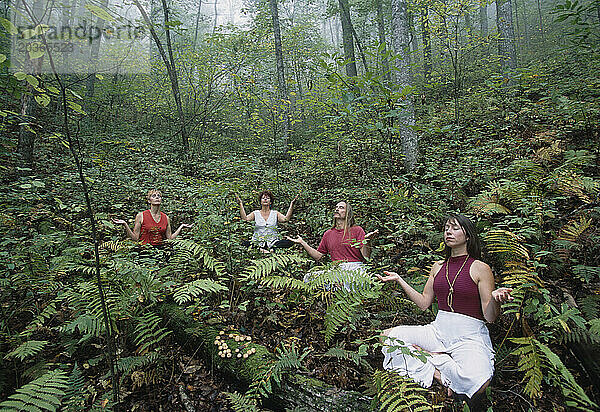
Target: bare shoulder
[435, 268]
[139, 216]
[481, 269]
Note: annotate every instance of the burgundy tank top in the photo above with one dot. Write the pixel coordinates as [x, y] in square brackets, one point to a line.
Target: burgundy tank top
[153, 232]
[465, 299]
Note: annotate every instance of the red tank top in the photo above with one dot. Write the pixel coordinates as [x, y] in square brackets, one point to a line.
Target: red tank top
[153, 232]
[465, 298]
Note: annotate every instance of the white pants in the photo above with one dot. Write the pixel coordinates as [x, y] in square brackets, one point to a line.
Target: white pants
[347, 272]
[465, 357]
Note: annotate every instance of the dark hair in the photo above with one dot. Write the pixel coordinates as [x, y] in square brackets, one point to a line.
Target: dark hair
[268, 193]
[473, 242]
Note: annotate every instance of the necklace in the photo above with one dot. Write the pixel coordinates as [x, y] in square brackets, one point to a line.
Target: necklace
[450, 297]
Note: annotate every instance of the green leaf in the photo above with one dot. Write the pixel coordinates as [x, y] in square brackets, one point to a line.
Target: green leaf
[32, 80]
[43, 100]
[99, 12]
[2, 57]
[7, 24]
[20, 75]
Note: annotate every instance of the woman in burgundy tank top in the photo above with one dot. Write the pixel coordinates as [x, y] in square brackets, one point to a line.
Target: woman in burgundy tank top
[151, 226]
[457, 345]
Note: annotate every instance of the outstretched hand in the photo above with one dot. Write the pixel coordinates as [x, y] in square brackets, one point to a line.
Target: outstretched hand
[296, 198]
[372, 235]
[297, 240]
[389, 277]
[502, 295]
[237, 198]
[119, 221]
[187, 225]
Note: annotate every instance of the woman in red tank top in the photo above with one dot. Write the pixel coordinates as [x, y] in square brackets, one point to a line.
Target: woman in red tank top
[151, 226]
[457, 345]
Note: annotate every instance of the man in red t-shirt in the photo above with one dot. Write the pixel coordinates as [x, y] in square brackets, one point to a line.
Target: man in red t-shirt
[344, 242]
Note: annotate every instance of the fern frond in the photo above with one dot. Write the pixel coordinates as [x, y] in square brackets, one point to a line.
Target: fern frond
[43, 393]
[241, 403]
[573, 230]
[283, 282]
[571, 184]
[504, 241]
[27, 349]
[74, 399]
[397, 393]
[520, 274]
[187, 292]
[38, 321]
[148, 333]
[530, 362]
[197, 251]
[590, 306]
[116, 245]
[344, 310]
[127, 365]
[261, 268]
[357, 357]
[587, 273]
[574, 394]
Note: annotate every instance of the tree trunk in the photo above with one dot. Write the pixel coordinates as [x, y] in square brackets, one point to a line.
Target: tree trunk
[197, 24]
[506, 35]
[426, 36]
[170, 68]
[296, 391]
[403, 77]
[26, 142]
[92, 68]
[483, 19]
[347, 38]
[539, 7]
[382, 41]
[281, 86]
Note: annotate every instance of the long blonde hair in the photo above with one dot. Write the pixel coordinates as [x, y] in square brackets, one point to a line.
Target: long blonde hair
[348, 220]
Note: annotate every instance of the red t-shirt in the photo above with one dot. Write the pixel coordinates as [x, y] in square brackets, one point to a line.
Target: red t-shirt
[153, 232]
[343, 248]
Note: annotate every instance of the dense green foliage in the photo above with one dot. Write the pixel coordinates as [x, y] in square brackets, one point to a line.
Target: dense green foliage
[517, 150]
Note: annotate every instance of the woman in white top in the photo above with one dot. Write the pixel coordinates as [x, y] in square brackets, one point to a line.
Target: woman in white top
[265, 222]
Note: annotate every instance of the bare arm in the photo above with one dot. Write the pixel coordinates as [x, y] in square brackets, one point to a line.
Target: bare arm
[281, 218]
[422, 300]
[137, 226]
[177, 232]
[313, 253]
[491, 300]
[366, 248]
[243, 214]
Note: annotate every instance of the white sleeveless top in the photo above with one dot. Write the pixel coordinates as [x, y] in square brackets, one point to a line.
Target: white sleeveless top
[265, 231]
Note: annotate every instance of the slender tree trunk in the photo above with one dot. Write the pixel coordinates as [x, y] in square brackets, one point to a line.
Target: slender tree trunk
[382, 40]
[281, 86]
[26, 142]
[483, 19]
[356, 39]
[347, 39]
[197, 25]
[506, 36]
[426, 36]
[170, 68]
[92, 66]
[524, 22]
[403, 77]
[541, 23]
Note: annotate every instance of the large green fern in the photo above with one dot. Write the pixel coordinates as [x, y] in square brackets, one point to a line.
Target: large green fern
[188, 291]
[148, 332]
[43, 393]
[396, 393]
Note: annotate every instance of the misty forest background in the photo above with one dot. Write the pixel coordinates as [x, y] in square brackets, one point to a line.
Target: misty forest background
[408, 109]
